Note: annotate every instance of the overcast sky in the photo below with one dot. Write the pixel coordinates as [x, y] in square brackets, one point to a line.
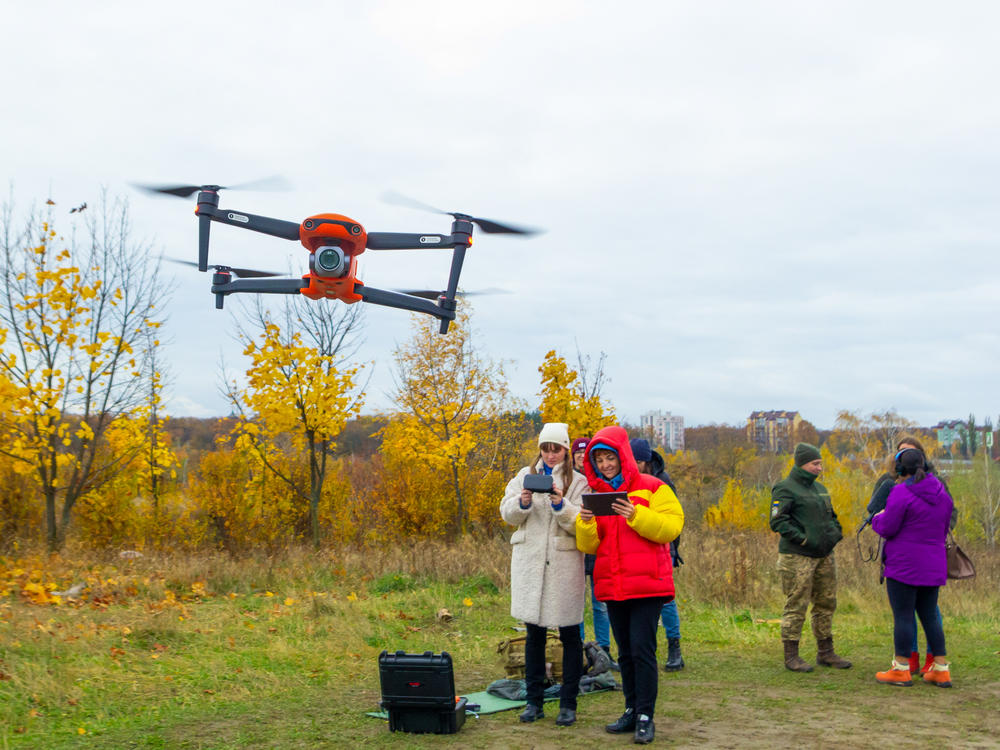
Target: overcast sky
[748, 205]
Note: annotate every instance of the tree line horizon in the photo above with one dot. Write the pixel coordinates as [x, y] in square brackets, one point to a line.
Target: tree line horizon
[87, 452]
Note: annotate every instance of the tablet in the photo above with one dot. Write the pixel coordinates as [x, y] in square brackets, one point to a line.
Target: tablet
[599, 503]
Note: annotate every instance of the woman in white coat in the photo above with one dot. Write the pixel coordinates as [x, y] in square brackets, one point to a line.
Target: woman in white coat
[546, 569]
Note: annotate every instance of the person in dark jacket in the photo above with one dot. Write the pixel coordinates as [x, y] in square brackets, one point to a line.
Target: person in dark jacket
[915, 526]
[802, 513]
[883, 486]
[633, 573]
[650, 462]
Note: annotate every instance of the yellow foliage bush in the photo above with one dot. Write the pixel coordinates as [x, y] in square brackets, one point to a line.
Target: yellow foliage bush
[739, 508]
[563, 400]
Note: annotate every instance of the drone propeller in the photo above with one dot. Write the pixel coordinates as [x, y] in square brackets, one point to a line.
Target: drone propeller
[274, 183]
[242, 273]
[434, 295]
[487, 225]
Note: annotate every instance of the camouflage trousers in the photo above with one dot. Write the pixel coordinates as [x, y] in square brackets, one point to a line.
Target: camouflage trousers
[803, 580]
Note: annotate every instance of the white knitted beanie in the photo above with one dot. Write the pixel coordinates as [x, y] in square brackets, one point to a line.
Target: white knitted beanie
[555, 432]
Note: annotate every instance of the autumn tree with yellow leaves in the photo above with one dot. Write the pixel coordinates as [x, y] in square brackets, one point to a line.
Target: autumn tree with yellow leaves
[75, 317]
[739, 508]
[455, 438]
[871, 439]
[572, 397]
[300, 391]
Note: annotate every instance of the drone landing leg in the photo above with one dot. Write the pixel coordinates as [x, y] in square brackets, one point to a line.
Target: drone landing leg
[207, 202]
[457, 259]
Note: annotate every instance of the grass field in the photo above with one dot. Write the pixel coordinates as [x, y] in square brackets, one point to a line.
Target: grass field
[166, 652]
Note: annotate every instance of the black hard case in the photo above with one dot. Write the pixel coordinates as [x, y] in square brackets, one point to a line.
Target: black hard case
[418, 692]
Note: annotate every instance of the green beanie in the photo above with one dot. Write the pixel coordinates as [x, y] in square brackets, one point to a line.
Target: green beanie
[804, 453]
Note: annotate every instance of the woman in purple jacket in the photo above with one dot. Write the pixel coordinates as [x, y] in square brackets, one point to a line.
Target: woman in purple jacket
[915, 526]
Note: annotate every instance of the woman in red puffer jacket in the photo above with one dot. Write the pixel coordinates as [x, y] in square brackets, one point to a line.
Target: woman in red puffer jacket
[632, 572]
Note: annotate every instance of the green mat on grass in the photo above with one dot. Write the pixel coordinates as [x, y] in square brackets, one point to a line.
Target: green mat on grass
[488, 704]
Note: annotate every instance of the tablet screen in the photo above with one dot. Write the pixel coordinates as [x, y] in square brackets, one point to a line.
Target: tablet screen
[599, 503]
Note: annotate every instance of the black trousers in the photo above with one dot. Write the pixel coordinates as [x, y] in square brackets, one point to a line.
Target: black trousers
[634, 623]
[904, 600]
[534, 664]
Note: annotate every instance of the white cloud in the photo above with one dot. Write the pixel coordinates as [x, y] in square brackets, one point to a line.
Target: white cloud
[745, 202]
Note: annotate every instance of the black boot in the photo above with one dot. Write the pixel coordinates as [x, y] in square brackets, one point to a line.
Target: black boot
[532, 713]
[625, 723]
[644, 730]
[566, 717]
[675, 662]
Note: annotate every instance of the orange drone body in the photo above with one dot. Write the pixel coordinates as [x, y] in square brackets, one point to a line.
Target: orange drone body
[334, 243]
[326, 231]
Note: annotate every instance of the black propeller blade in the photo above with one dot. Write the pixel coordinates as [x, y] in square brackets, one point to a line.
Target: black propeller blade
[273, 183]
[242, 273]
[433, 295]
[487, 225]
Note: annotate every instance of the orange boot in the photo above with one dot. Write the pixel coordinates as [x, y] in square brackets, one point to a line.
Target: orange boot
[939, 675]
[898, 674]
[927, 664]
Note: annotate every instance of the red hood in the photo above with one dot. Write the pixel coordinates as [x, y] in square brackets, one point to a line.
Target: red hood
[615, 437]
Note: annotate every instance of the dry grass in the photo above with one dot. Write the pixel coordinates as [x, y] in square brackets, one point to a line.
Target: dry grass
[729, 569]
[210, 643]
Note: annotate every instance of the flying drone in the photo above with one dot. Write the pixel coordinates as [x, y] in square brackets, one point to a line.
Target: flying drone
[334, 243]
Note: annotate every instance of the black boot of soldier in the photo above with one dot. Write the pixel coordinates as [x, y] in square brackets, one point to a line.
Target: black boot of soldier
[675, 662]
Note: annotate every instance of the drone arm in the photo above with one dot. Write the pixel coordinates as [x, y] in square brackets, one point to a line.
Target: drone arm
[275, 227]
[223, 284]
[403, 302]
[408, 241]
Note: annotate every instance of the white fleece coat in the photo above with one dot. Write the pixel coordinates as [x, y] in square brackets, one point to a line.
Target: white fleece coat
[546, 568]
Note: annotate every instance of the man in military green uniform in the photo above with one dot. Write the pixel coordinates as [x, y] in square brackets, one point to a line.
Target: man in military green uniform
[802, 513]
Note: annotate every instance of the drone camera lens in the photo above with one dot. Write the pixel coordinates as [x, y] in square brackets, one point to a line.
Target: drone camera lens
[330, 261]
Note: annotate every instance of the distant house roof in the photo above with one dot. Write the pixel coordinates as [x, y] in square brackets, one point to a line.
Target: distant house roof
[773, 414]
[949, 424]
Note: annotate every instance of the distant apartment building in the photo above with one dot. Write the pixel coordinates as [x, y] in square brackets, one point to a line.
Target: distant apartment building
[954, 439]
[773, 431]
[666, 429]
[949, 432]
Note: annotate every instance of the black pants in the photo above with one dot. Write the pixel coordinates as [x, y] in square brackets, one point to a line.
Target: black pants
[904, 600]
[634, 623]
[534, 664]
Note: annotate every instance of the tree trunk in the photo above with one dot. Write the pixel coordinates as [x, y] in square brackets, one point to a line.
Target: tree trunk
[459, 502]
[315, 490]
[51, 530]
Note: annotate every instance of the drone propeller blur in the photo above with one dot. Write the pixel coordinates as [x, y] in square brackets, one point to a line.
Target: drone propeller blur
[334, 243]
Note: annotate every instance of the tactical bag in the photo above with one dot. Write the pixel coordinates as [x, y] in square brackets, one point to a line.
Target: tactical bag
[511, 652]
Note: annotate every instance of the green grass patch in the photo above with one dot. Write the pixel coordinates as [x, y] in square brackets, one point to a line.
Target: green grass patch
[392, 582]
[274, 659]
